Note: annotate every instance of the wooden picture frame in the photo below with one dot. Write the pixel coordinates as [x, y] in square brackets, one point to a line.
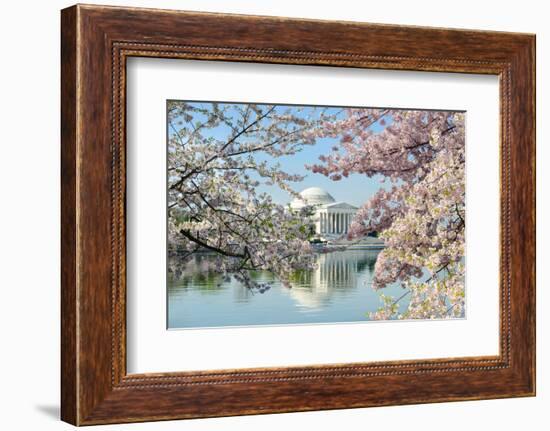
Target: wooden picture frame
[95, 43]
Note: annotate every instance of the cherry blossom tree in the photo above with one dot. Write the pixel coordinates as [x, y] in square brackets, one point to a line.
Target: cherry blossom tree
[217, 157]
[420, 214]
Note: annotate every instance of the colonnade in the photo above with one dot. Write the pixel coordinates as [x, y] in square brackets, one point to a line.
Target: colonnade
[334, 222]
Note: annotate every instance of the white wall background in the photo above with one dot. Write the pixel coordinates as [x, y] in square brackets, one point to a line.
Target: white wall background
[29, 214]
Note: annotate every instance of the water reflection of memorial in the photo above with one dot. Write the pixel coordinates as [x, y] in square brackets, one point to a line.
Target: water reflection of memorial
[336, 273]
[337, 290]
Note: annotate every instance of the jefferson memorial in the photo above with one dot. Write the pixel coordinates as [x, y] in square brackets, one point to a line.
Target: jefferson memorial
[332, 219]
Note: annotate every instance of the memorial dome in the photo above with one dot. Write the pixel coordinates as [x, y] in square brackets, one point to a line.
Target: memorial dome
[312, 196]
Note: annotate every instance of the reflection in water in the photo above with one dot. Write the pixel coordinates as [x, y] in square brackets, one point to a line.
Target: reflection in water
[338, 290]
[335, 273]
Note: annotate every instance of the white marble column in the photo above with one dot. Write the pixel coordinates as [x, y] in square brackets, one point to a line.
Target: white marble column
[345, 223]
[345, 229]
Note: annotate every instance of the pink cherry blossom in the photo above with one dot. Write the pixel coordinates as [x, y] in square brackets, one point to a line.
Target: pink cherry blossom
[213, 177]
[421, 216]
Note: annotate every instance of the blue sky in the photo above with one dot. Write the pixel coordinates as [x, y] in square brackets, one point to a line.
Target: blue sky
[355, 190]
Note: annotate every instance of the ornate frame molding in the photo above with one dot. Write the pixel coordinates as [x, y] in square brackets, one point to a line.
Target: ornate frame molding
[96, 41]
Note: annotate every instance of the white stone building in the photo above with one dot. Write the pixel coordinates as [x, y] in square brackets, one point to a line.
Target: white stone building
[332, 219]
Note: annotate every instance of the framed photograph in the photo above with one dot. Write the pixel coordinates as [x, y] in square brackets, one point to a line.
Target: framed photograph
[265, 215]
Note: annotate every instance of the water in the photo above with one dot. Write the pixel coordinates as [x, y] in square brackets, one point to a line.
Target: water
[338, 290]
